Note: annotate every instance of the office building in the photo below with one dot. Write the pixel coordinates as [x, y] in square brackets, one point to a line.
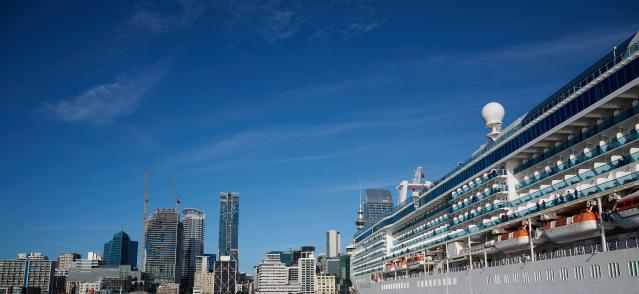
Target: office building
[333, 240]
[66, 261]
[205, 263]
[306, 272]
[169, 288]
[345, 274]
[325, 284]
[108, 279]
[28, 273]
[378, 203]
[120, 251]
[271, 276]
[225, 277]
[203, 282]
[192, 245]
[229, 220]
[163, 246]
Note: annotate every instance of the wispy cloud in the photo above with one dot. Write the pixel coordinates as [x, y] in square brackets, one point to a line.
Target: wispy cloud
[532, 52]
[278, 20]
[149, 17]
[53, 228]
[103, 103]
[355, 186]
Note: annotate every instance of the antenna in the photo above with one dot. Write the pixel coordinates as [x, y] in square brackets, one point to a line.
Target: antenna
[146, 204]
[359, 223]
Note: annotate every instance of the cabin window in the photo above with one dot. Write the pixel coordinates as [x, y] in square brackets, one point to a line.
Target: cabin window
[515, 277]
[563, 274]
[488, 280]
[595, 271]
[550, 275]
[526, 276]
[613, 270]
[538, 277]
[579, 272]
[633, 268]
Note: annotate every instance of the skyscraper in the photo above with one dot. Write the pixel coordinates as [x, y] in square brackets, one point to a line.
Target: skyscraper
[229, 219]
[378, 203]
[192, 244]
[163, 246]
[121, 251]
[333, 240]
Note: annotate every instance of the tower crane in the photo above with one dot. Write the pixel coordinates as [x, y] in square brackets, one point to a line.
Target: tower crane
[146, 204]
[175, 194]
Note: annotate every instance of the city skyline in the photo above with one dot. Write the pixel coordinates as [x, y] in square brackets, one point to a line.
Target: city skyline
[291, 112]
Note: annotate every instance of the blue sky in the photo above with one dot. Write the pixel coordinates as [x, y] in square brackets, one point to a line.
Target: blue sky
[289, 103]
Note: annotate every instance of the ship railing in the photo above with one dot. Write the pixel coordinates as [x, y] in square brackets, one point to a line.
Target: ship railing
[555, 254]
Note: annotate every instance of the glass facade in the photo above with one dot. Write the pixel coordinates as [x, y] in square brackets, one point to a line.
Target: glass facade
[121, 251]
[229, 220]
[163, 246]
[379, 203]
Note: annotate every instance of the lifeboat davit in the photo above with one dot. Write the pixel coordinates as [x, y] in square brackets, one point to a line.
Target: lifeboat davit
[573, 228]
[513, 241]
[625, 213]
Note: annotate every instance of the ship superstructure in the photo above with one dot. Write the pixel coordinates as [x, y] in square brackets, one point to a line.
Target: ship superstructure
[548, 199]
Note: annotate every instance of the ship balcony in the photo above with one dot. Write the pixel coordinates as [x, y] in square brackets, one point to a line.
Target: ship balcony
[497, 206]
[438, 217]
[629, 161]
[579, 132]
[370, 249]
[479, 183]
[589, 154]
[497, 191]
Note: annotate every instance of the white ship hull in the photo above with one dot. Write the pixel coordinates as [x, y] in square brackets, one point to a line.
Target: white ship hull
[605, 272]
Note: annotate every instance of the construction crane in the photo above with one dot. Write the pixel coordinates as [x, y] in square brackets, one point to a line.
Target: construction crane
[146, 205]
[175, 194]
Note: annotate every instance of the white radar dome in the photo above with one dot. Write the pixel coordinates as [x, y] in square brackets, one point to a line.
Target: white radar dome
[493, 113]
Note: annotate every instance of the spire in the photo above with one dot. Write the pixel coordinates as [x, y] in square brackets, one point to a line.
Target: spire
[360, 214]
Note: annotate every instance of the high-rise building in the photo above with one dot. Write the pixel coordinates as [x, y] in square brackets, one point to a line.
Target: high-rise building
[345, 274]
[271, 276]
[163, 246]
[333, 240]
[225, 277]
[229, 220]
[378, 203]
[192, 245]
[120, 251]
[27, 272]
[306, 272]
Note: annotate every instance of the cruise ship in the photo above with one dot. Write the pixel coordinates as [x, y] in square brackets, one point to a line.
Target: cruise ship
[549, 204]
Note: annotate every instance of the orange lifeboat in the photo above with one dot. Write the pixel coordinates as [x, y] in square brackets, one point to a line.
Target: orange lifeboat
[513, 241]
[626, 212]
[573, 228]
[391, 266]
[404, 263]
